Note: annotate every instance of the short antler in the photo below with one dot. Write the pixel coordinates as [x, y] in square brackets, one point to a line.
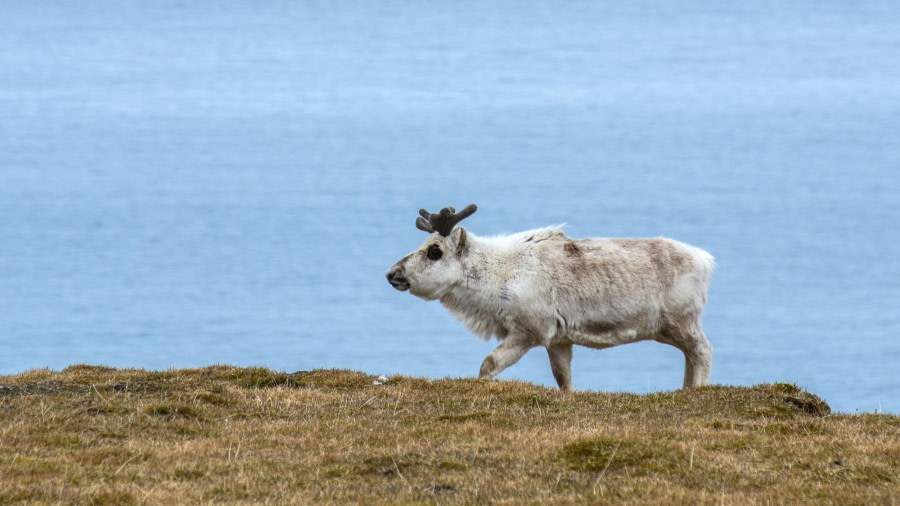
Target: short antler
[443, 221]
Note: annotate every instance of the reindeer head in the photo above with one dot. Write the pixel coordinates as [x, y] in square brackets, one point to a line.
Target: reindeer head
[434, 269]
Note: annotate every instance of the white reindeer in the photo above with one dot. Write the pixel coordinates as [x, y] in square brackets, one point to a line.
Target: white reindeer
[541, 288]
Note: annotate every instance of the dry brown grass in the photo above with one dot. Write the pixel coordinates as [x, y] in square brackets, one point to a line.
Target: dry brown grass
[224, 434]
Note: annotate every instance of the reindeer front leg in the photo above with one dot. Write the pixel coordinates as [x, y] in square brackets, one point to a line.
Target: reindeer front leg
[506, 354]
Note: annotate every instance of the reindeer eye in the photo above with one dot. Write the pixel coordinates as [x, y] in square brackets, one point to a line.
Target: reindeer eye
[434, 252]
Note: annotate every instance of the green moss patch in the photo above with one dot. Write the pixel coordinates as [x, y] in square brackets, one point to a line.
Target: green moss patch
[612, 454]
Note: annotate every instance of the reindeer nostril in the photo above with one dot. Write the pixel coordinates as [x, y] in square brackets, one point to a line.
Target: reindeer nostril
[395, 277]
[397, 280]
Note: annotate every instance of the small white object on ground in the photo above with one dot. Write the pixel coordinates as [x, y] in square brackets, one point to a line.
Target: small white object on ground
[381, 380]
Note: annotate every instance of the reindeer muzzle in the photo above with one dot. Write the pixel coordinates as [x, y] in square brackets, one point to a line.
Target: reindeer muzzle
[397, 280]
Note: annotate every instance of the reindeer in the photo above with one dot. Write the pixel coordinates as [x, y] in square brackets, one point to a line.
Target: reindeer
[542, 288]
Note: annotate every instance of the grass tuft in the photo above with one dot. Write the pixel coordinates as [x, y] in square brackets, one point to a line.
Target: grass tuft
[260, 377]
[613, 454]
[173, 410]
[111, 498]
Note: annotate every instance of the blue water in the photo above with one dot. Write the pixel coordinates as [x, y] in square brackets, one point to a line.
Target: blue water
[189, 183]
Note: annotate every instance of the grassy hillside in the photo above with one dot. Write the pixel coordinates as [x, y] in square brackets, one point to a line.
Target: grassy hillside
[112, 436]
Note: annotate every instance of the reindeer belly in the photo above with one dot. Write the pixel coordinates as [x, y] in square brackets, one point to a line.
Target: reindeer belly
[601, 335]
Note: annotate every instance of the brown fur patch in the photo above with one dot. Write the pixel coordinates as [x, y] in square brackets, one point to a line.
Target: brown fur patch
[680, 261]
[658, 255]
[581, 269]
[572, 249]
[600, 327]
[668, 260]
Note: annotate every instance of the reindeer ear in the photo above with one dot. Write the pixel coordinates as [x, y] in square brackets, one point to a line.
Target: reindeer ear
[458, 238]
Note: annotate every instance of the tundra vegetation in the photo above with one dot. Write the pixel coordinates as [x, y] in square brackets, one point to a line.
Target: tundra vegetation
[96, 435]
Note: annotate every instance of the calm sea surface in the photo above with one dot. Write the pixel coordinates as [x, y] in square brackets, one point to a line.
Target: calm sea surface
[190, 183]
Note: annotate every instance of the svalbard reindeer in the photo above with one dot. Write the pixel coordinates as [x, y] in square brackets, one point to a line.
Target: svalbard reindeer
[542, 288]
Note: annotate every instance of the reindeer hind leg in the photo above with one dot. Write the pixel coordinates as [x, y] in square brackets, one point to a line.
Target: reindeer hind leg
[687, 336]
[561, 364]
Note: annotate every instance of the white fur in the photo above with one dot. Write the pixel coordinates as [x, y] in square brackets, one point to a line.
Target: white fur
[542, 288]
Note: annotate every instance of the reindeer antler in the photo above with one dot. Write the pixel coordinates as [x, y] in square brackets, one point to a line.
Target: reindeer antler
[444, 221]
